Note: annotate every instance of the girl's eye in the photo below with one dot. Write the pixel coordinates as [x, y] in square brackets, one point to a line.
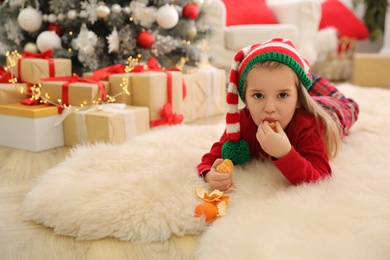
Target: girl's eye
[257, 95]
[283, 95]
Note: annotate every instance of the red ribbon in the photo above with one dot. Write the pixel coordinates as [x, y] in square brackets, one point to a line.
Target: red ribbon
[43, 55]
[5, 76]
[47, 55]
[104, 73]
[73, 79]
[168, 117]
[30, 101]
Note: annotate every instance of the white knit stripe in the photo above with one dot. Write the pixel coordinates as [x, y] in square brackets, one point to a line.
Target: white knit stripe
[232, 88]
[233, 128]
[246, 50]
[283, 45]
[235, 65]
[232, 108]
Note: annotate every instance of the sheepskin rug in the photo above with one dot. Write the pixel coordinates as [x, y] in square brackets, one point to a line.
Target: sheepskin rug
[143, 190]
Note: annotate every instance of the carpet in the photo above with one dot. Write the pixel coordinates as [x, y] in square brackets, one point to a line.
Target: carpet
[143, 190]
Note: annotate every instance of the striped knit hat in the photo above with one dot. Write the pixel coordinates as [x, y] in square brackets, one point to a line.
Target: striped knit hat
[280, 50]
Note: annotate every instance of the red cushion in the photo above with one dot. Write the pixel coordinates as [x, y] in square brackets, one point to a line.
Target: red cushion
[336, 14]
[248, 12]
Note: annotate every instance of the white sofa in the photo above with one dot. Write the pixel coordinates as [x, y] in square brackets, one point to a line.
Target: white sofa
[298, 20]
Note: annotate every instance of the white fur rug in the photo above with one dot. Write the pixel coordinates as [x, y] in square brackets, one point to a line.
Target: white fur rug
[143, 190]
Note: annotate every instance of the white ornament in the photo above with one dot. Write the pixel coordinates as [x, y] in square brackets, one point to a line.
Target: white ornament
[31, 47]
[30, 19]
[60, 17]
[127, 10]
[199, 3]
[48, 40]
[167, 17]
[52, 18]
[116, 8]
[45, 17]
[102, 11]
[72, 14]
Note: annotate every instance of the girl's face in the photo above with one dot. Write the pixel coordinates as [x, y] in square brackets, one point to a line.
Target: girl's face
[271, 95]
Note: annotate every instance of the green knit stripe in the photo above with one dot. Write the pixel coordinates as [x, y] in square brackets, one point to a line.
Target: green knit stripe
[275, 56]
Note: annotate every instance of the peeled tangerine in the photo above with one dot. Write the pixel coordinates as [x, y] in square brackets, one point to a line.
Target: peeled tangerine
[226, 166]
[214, 204]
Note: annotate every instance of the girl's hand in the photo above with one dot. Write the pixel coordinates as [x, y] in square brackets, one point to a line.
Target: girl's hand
[219, 181]
[274, 143]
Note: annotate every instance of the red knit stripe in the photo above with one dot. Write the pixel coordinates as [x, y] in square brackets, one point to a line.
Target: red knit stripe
[233, 136]
[233, 77]
[265, 49]
[239, 56]
[232, 118]
[231, 98]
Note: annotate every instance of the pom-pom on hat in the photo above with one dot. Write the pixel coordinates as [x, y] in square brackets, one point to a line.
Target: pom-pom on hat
[280, 50]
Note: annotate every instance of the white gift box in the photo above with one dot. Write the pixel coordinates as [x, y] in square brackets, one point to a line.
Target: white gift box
[30, 128]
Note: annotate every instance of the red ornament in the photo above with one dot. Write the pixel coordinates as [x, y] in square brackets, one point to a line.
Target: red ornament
[145, 40]
[191, 11]
[56, 28]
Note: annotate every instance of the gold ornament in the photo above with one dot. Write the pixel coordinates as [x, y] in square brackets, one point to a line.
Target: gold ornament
[192, 32]
[102, 11]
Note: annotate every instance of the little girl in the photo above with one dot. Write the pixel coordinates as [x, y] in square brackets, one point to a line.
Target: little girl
[274, 82]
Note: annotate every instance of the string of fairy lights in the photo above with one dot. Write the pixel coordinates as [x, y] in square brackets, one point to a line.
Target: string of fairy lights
[44, 98]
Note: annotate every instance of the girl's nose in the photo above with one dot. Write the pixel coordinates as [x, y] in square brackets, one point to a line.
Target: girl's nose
[270, 106]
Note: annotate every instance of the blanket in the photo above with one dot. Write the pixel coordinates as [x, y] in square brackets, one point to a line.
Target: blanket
[144, 190]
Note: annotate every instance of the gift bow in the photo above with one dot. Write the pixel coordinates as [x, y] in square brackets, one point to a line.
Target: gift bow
[5, 76]
[43, 55]
[167, 117]
[104, 73]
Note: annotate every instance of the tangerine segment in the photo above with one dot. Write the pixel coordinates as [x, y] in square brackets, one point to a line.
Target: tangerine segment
[207, 209]
[226, 166]
[272, 125]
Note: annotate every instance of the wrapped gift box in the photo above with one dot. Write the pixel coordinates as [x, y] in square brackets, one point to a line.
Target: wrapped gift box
[371, 70]
[32, 70]
[206, 93]
[79, 93]
[117, 84]
[114, 124]
[149, 89]
[12, 93]
[30, 128]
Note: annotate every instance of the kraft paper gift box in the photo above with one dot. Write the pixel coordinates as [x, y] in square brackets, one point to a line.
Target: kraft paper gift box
[118, 84]
[206, 93]
[32, 70]
[114, 124]
[372, 70]
[150, 89]
[31, 128]
[78, 93]
[12, 93]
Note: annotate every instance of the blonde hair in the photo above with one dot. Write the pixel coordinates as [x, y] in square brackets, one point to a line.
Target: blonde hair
[332, 127]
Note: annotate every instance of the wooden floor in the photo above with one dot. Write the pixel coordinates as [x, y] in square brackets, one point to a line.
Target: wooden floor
[27, 240]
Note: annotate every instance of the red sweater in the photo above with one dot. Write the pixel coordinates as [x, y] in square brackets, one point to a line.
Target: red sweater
[307, 160]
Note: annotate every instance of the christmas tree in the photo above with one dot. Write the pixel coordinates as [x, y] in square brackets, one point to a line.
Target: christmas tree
[95, 34]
